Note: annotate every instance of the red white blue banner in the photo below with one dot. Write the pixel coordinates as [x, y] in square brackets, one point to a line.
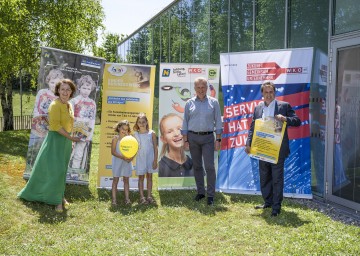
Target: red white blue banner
[242, 75]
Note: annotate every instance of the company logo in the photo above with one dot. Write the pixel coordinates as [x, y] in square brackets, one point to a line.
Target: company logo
[166, 72]
[180, 72]
[270, 71]
[117, 70]
[196, 71]
[91, 63]
[212, 73]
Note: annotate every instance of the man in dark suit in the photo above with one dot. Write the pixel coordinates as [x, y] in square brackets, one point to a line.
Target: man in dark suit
[272, 175]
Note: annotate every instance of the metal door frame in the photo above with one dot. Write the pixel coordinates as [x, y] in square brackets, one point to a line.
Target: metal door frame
[349, 40]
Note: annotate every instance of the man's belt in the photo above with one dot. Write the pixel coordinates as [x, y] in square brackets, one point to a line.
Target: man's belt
[201, 133]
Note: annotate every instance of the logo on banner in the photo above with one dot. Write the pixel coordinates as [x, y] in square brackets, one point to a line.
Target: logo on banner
[196, 71]
[166, 72]
[89, 62]
[270, 71]
[212, 73]
[181, 72]
[117, 70]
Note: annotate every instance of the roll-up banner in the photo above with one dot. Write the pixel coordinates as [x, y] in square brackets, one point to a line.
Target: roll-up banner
[127, 91]
[242, 75]
[86, 72]
[175, 88]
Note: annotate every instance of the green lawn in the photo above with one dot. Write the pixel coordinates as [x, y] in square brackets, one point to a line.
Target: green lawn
[28, 100]
[175, 226]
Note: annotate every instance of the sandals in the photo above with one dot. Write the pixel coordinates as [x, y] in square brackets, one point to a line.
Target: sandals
[150, 200]
[143, 201]
[65, 202]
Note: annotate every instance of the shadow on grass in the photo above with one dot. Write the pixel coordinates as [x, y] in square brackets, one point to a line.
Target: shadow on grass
[80, 193]
[285, 218]
[185, 198]
[246, 199]
[14, 143]
[105, 196]
[47, 213]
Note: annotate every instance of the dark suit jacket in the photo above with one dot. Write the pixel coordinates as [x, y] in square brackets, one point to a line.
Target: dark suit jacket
[283, 108]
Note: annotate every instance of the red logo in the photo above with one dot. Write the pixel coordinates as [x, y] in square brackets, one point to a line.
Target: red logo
[270, 71]
[196, 70]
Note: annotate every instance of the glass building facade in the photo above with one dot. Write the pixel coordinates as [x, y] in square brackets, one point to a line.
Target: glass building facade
[197, 31]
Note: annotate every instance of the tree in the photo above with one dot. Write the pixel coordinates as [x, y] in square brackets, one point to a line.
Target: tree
[108, 51]
[25, 26]
[108, 48]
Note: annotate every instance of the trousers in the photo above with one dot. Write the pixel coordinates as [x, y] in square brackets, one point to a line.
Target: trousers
[202, 153]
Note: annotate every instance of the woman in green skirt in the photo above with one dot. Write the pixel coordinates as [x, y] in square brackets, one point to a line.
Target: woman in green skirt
[48, 176]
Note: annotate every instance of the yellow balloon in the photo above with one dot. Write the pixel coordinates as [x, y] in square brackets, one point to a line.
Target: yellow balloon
[128, 146]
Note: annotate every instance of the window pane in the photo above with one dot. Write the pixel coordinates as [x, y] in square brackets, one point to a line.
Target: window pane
[347, 16]
[165, 37]
[218, 29]
[176, 33]
[201, 31]
[270, 24]
[155, 46]
[186, 32]
[309, 30]
[317, 107]
[241, 26]
[346, 173]
[143, 45]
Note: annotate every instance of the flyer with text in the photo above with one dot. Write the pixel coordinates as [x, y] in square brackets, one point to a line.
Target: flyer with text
[267, 138]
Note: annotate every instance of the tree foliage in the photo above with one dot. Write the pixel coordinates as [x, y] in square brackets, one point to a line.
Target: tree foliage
[108, 51]
[26, 25]
[108, 48]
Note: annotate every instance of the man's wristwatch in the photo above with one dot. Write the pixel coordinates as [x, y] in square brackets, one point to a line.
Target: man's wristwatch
[219, 140]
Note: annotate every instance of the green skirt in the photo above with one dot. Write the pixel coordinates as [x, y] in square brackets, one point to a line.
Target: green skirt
[48, 175]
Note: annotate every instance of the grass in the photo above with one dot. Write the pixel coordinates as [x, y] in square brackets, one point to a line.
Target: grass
[176, 225]
[28, 100]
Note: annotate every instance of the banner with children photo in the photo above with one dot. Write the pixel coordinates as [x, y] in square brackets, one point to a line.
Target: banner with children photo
[175, 88]
[128, 91]
[86, 72]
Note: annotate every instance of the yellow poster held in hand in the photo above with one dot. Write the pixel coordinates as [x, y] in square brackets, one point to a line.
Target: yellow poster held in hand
[267, 139]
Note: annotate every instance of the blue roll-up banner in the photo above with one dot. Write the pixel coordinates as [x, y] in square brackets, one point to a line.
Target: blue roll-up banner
[242, 75]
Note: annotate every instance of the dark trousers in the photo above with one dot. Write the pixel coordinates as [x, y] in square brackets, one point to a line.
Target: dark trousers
[202, 148]
[272, 182]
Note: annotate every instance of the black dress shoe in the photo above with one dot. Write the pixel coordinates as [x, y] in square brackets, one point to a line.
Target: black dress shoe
[198, 197]
[210, 201]
[262, 206]
[275, 213]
